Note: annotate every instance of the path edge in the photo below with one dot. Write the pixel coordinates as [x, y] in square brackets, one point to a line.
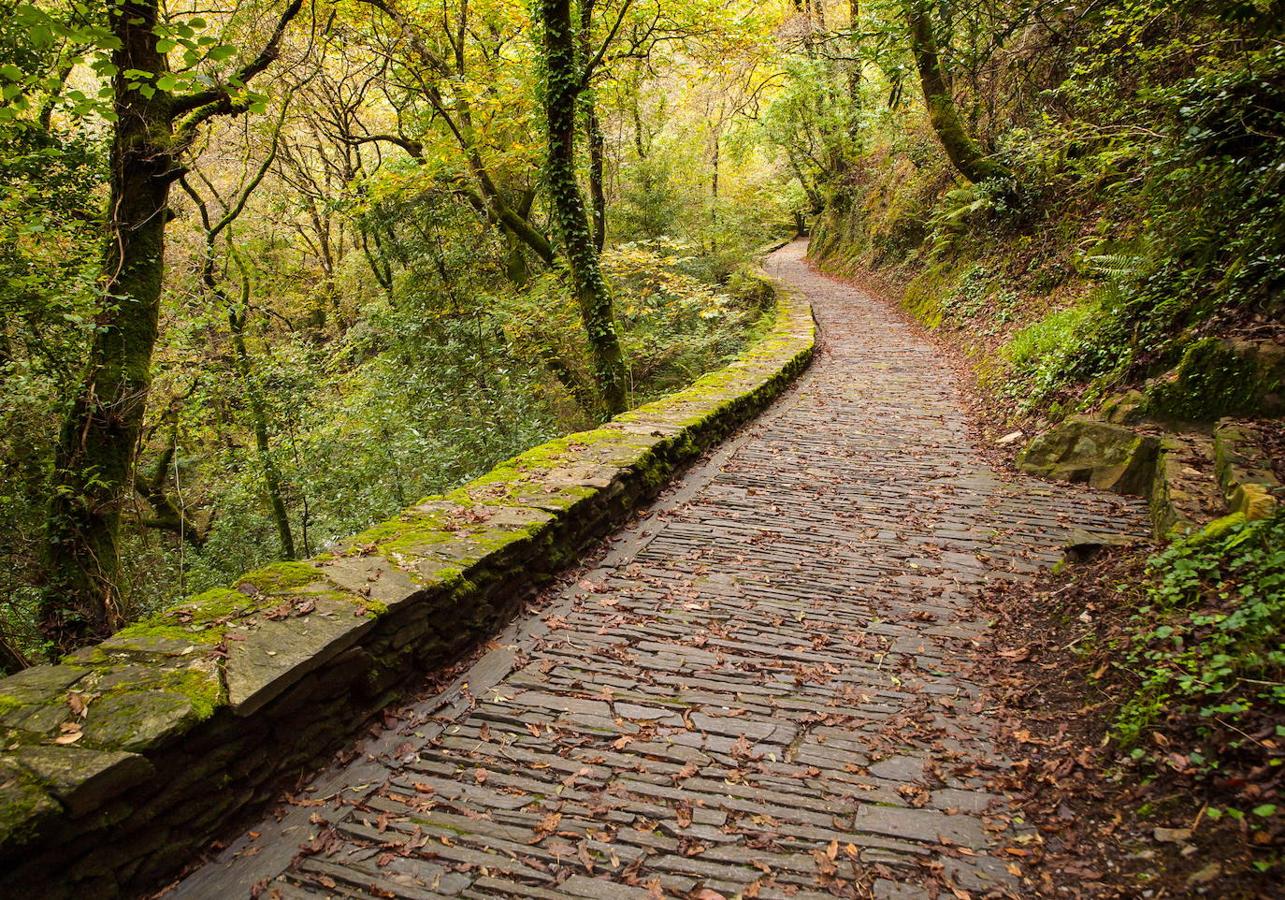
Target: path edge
[128, 757]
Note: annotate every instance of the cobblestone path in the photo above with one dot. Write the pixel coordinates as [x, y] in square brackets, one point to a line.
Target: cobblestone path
[762, 690]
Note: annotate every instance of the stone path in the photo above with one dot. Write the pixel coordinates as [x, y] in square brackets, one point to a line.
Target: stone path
[763, 689]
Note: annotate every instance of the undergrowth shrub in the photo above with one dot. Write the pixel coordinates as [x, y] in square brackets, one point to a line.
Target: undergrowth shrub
[1206, 651]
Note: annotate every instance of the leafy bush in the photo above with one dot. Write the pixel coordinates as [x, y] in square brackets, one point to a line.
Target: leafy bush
[1206, 647]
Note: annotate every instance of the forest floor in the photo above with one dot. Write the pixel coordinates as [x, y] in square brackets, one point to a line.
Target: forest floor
[1107, 830]
[777, 682]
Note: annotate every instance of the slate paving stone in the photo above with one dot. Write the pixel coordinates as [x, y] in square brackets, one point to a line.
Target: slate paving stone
[765, 683]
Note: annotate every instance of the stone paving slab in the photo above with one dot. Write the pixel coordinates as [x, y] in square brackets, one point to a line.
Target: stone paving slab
[763, 690]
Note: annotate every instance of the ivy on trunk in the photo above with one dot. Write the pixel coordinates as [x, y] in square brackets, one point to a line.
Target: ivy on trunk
[563, 84]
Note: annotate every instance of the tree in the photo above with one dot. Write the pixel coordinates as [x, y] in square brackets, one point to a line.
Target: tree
[564, 80]
[156, 116]
[960, 147]
[238, 315]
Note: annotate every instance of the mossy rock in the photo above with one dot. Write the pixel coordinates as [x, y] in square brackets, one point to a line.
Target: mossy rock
[1087, 451]
[1245, 472]
[1217, 378]
[141, 721]
[24, 805]
[1127, 408]
[80, 778]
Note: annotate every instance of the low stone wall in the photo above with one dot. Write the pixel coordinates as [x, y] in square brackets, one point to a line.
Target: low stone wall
[126, 759]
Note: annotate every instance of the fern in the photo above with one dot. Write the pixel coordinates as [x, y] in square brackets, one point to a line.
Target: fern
[1117, 266]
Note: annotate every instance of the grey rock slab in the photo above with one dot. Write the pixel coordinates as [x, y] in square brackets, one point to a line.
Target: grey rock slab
[375, 577]
[83, 779]
[278, 653]
[24, 805]
[928, 825]
[138, 720]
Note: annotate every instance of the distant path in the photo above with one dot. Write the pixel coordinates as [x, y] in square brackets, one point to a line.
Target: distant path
[764, 689]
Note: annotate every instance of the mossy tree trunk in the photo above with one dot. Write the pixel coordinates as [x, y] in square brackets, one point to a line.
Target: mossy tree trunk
[96, 452]
[959, 145]
[94, 458]
[563, 83]
[854, 75]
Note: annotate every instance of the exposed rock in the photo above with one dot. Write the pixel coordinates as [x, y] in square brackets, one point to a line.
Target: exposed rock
[138, 720]
[1217, 378]
[1011, 438]
[277, 653]
[24, 805]
[1184, 492]
[42, 682]
[1123, 409]
[83, 779]
[1082, 545]
[374, 577]
[1245, 473]
[1087, 451]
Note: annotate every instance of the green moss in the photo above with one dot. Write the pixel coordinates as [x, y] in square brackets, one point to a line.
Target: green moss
[440, 826]
[1218, 528]
[215, 603]
[1211, 381]
[197, 633]
[23, 803]
[8, 703]
[202, 687]
[282, 576]
[196, 619]
[923, 295]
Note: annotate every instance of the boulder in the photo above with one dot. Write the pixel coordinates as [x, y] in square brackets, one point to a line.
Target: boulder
[1245, 472]
[1123, 409]
[1218, 378]
[1087, 451]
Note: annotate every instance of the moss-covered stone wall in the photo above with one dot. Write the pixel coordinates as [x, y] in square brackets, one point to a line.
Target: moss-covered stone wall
[127, 758]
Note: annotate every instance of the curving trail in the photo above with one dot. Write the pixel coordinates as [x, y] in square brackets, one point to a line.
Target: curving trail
[762, 689]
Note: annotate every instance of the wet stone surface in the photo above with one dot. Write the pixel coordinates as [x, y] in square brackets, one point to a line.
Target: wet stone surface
[764, 689]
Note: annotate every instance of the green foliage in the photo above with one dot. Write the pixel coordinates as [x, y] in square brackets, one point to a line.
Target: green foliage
[1206, 646]
[675, 323]
[1147, 176]
[1044, 355]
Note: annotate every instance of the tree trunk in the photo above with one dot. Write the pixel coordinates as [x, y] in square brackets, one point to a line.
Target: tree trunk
[561, 90]
[713, 193]
[963, 151]
[259, 421]
[854, 74]
[593, 133]
[597, 193]
[93, 462]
